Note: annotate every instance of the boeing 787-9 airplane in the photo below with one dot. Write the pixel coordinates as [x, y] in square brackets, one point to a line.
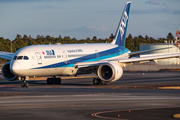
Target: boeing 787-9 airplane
[104, 59]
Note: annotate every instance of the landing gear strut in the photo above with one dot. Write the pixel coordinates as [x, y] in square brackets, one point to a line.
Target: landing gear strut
[24, 81]
[97, 81]
[53, 80]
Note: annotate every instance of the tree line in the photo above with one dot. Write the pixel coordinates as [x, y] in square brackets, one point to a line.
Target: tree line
[132, 43]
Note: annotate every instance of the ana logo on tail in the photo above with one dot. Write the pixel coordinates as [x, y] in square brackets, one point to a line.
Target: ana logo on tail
[123, 24]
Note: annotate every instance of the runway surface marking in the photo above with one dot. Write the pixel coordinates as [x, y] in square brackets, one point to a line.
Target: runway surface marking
[176, 115]
[170, 87]
[117, 117]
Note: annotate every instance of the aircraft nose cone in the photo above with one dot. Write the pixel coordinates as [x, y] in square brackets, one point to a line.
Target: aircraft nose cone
[16, 68]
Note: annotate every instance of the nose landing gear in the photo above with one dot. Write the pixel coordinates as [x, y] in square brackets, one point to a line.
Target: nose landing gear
[24, 81]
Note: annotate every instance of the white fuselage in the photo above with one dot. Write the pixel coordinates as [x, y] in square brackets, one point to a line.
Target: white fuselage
[45, 60]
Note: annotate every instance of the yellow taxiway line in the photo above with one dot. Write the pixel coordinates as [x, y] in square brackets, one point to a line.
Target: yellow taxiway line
[170, 87]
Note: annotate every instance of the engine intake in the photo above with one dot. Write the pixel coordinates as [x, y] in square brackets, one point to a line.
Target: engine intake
[7, 74]
[110, 72]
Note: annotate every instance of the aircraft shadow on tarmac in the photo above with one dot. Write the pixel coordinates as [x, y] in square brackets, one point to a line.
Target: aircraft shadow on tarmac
[131, 79]
[43, 83]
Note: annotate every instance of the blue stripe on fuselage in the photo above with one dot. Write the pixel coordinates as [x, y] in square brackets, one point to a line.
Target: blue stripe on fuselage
[89, 58]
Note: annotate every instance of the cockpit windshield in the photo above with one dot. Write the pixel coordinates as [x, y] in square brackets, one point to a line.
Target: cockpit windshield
[26, 58]
[21, 58]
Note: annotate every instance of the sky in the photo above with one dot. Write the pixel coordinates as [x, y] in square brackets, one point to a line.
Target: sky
[87, 18]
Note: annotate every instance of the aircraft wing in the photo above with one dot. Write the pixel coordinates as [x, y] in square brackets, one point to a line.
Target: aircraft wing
[143, 58]
[6, 55]
[150, 57]
[144, 51]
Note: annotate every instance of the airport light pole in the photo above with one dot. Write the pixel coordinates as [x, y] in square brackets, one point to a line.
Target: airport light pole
[11, 46]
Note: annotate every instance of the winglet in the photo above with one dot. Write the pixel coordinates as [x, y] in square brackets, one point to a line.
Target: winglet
[120, 36]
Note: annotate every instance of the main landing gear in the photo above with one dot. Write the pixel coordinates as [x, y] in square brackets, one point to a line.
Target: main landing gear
[97, 81]
[24, 81]
[53, 80]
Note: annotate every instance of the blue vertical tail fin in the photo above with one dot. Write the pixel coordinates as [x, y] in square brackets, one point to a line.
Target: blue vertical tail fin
[120, 36]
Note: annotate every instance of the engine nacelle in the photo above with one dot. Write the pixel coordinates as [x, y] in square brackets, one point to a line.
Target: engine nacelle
[110, 72]
[7, 74]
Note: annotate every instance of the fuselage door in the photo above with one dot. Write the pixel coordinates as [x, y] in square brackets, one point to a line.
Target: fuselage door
[39, 58]
[64, 55]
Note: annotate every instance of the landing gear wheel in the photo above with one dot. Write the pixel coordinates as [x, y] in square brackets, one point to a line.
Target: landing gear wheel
[97, 81]
[22, 84]
[26, 84]
[49, 81]
[24, 81]
[57, 81]
[54, 80]
[103, 82]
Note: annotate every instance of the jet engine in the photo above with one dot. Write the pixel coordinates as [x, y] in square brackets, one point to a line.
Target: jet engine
[110, 72]
[7, 74]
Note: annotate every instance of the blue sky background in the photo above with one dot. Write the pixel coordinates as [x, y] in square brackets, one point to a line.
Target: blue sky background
[87, 18]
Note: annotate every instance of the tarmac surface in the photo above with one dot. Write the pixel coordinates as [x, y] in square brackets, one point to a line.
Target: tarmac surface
[136, 96]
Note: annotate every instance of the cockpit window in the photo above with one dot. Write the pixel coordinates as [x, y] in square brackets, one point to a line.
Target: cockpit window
[19, 57]
[26, 58]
